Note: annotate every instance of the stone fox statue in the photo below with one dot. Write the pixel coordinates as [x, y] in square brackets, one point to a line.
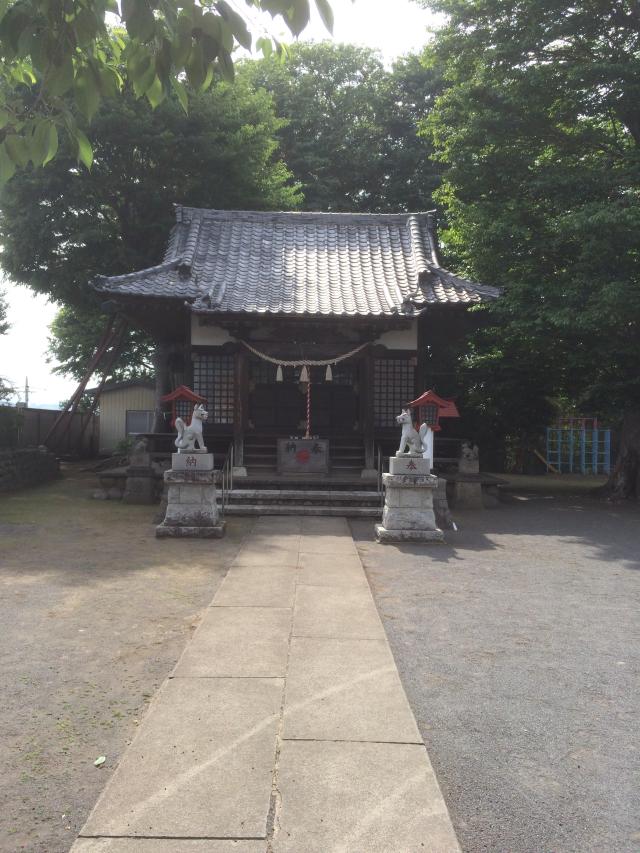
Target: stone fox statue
[411, 440]
[189, 436]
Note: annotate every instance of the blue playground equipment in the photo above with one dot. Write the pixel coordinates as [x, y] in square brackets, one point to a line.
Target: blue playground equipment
[578, 446]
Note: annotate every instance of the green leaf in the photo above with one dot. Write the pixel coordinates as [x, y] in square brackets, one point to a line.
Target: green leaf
[110, 81]
[60, 77]
[155, 93]
[265, 45]
[85, 152]
[7, 166]
[326, 13]
[225, 64]
[5, 118]
[297, 16]
[86, 27]
[44, 142]
[237, 24]
[87, 92]
[142, 74]
[194, 66]
[140, 20]
[181, 92]
[17, 148]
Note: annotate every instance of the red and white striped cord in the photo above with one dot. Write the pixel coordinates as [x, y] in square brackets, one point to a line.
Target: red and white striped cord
[308, 433]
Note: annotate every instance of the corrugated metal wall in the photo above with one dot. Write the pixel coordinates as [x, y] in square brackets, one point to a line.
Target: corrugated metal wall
[113, 412]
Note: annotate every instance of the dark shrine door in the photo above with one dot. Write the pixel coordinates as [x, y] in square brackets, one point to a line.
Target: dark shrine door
[281, 407]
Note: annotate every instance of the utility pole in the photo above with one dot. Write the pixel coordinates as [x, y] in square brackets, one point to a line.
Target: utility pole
[26, 392]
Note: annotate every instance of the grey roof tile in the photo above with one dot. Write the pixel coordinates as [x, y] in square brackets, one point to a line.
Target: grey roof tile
[300, 263]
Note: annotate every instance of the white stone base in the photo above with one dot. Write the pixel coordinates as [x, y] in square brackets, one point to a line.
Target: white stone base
[240, 471]
[385, 536]
[408, 503]
[192, 510]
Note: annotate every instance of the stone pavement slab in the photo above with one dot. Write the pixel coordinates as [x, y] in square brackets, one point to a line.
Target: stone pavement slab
[347, 612]
[359, 798]
[339, 570]
[200, 766]
[263, 557]
[165, 845]
[346, 690]
[327, 543]
[258, 586]
[241, 642]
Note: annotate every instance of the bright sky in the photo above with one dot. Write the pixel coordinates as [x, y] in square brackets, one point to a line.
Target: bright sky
[394, 27]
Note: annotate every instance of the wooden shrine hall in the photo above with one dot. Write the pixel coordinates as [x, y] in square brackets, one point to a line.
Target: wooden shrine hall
[294, 328]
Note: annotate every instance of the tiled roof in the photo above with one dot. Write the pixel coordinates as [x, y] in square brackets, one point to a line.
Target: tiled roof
[300, 263]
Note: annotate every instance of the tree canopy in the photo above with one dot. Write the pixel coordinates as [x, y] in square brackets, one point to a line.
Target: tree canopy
[63, 225]
[538, 131]
[350, 136]
[59, 59]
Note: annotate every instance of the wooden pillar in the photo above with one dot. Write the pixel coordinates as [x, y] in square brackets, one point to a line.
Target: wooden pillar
[241, 394]
[422, 367]
[161, 371]
[366, 408]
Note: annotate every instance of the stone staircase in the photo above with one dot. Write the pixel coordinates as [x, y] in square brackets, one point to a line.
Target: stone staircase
[356, 500]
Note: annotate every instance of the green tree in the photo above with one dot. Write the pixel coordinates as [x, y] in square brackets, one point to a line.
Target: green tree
[59, 59]
[350, 136]
[61, 226]
[5, 389]
[539, 132]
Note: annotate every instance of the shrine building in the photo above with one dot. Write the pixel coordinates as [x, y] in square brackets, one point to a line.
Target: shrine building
[294, 324]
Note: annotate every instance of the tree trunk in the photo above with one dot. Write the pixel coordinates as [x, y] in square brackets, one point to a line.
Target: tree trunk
[624, 480]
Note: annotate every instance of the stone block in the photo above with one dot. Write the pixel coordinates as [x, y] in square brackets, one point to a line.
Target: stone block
[409, 498]
[205, 478]
[385, 536]
[412, 465]
[399, 518]
[467, 495]
[184, 532]
[409, 481]
[191, 504]
[192, 461]
[140, 489]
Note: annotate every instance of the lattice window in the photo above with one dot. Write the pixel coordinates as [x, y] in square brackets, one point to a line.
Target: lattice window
[262, 372]
[213, 379]
[393, 380]
[183, 410]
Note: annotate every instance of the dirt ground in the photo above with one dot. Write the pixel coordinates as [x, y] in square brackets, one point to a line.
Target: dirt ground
[518, 643]
[94, 613]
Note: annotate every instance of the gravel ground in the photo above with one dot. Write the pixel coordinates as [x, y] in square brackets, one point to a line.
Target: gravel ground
[94, 613]
[518, 645]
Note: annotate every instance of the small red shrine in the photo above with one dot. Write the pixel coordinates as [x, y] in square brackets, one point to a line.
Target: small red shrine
[431, 408]
[183, 400]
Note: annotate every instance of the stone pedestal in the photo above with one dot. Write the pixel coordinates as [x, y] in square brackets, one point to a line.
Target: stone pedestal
[191, 498]
[408, 504]
[140, 486]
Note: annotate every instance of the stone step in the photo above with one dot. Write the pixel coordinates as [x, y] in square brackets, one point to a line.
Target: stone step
[279, 495]
[294, 509]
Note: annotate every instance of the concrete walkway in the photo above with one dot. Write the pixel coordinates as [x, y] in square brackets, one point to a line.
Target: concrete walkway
[284, 726]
